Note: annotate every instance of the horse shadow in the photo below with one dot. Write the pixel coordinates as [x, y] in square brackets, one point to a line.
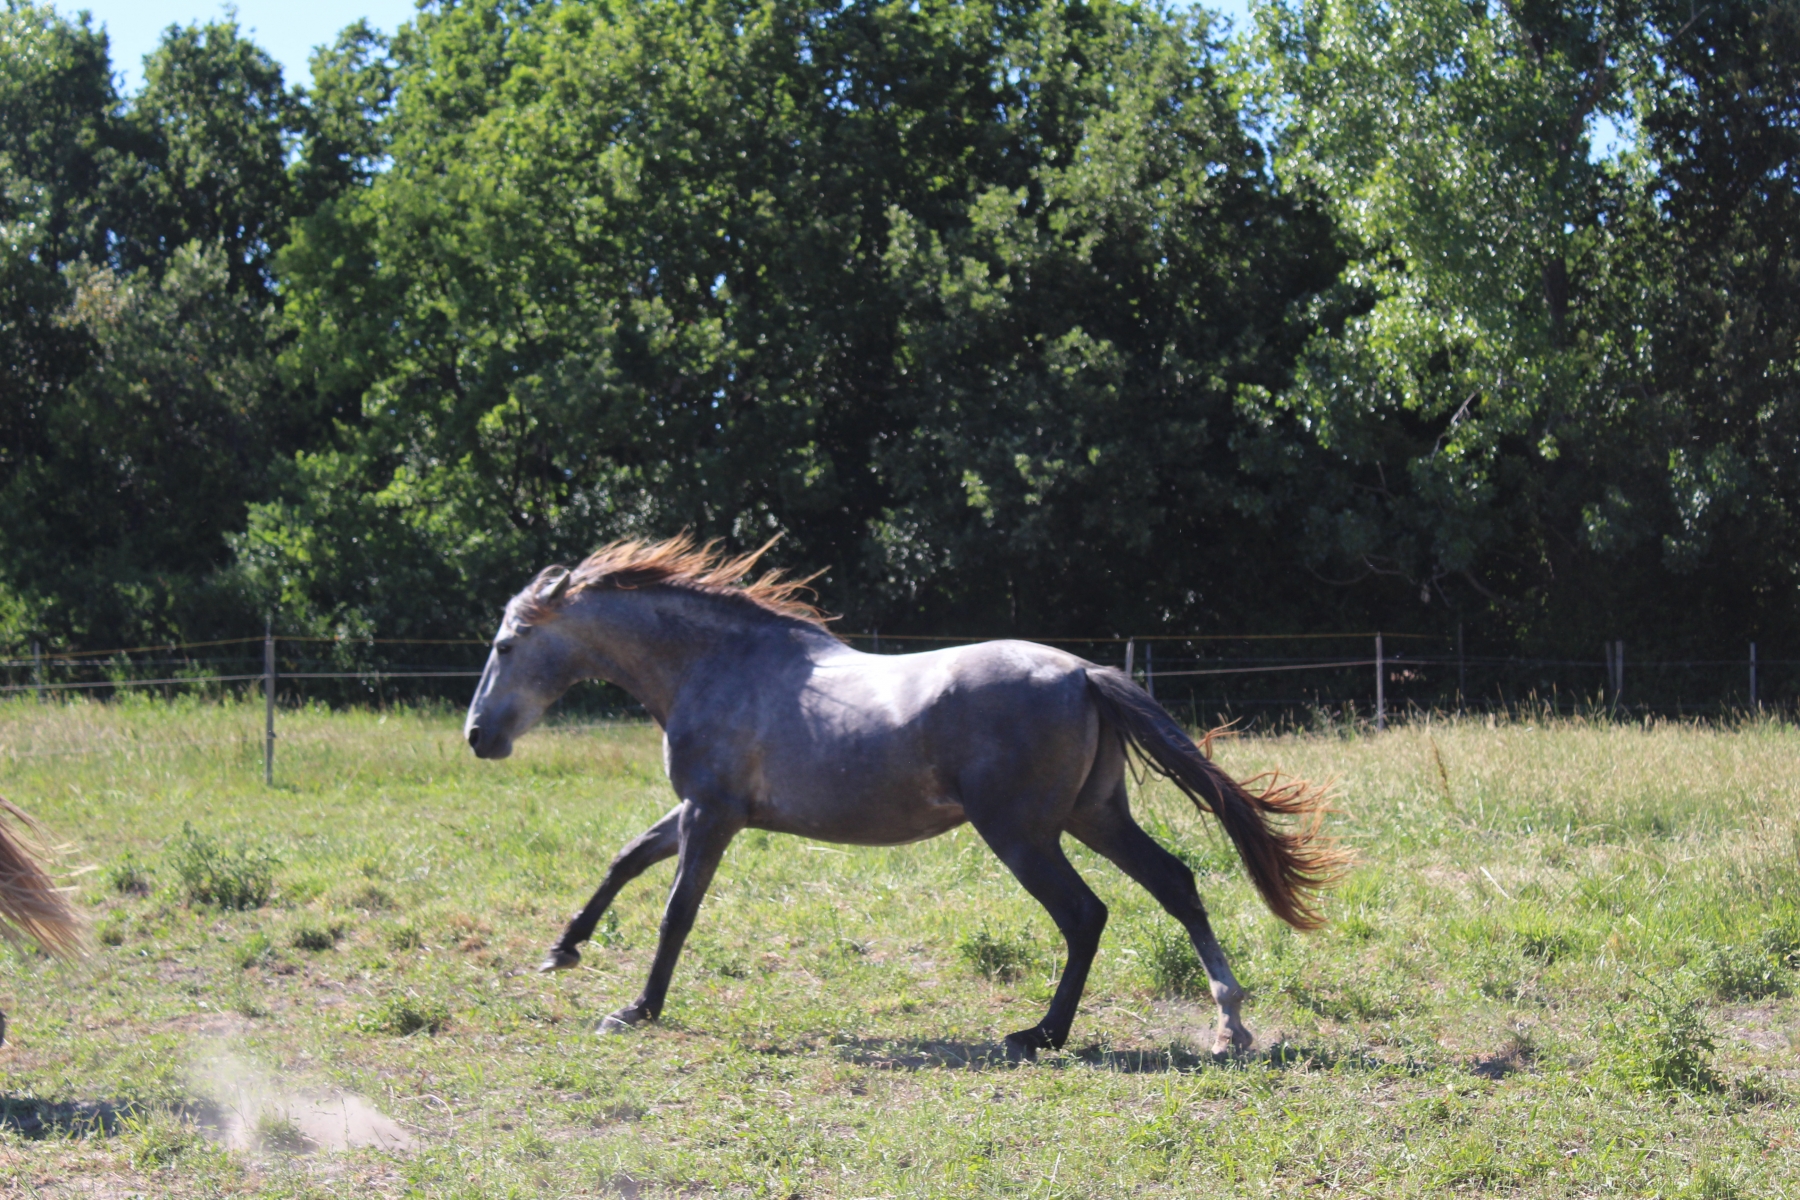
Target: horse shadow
[34, 1118]
[926, 1054]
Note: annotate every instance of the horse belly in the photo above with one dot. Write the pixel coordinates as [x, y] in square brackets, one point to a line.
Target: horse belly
[859, 806]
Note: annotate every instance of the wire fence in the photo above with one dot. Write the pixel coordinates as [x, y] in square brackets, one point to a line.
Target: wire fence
[1263, 677]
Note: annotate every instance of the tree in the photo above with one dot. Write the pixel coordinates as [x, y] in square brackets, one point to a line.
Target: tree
[880, 276]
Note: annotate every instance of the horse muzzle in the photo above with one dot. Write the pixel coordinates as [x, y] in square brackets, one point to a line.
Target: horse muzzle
[486, 745]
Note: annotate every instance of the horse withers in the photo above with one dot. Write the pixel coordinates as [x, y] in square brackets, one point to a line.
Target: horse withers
[771, 722]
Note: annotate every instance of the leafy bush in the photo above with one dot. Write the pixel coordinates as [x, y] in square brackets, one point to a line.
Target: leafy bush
[235, 877]
[999, 955]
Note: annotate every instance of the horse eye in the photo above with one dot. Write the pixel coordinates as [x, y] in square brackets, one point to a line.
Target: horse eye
[503, 648]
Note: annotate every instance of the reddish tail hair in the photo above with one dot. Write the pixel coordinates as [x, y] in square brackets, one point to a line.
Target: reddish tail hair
[31, 905]
[1290, 865]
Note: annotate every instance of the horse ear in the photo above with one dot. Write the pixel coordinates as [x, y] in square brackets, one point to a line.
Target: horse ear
[555, 587]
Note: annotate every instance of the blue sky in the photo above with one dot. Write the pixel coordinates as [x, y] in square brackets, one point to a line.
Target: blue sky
[287, 29]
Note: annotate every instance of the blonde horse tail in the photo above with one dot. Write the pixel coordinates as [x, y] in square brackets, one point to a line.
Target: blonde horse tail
[31, 905]
[1290, 863]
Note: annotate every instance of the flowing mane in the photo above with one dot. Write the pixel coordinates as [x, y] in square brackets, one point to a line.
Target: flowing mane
[677, 562]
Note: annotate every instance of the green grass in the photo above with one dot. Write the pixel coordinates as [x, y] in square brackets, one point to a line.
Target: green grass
[1564, 966]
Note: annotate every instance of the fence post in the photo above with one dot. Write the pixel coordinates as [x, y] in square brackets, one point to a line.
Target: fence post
[37, 672]
[1380, 686]
[1462, 677]
[1150, 668]
[876, 635]
[1130, 646]
[1753, 704]
[269, 703]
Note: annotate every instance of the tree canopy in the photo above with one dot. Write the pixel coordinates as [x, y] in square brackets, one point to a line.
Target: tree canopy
[1047, 318]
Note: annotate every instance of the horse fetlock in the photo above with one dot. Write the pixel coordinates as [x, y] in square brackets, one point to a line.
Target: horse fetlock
[560, 958]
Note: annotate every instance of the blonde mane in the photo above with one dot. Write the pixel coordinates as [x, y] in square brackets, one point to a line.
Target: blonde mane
[677, 562]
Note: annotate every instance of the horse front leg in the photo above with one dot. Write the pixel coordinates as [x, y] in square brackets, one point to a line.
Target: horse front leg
[644, 851]
[705, 831]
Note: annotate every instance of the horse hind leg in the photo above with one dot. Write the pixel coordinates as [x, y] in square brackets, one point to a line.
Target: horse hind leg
[1110, 831]
[1044, 871]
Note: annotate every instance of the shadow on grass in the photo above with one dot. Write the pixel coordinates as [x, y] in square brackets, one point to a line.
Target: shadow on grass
[931, 1055]
[30, 1117]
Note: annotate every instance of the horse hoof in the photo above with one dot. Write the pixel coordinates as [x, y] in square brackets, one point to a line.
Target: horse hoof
[620, 1022]
[1233, 1043]
[1020, 1048]
[559, 960]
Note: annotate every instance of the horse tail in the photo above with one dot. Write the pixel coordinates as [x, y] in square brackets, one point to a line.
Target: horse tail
[31, 905]
[1290, 864]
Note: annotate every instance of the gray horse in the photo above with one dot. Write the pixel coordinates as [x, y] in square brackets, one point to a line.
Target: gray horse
[770, 722]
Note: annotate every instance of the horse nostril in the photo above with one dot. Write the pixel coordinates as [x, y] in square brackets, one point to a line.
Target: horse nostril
[474, 736]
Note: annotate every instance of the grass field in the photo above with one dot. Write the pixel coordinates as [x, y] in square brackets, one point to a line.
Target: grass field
[1562, 967]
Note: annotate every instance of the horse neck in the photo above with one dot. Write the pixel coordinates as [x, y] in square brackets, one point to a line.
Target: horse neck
[651, 639]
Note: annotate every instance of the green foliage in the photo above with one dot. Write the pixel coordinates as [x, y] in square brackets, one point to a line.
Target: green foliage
[952, 295]
[1660, 1043]
[209, 872]
[313, 937]
[998, 954]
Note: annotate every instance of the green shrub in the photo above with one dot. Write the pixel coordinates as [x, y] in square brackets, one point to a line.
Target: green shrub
[234, 877]
[998, 955]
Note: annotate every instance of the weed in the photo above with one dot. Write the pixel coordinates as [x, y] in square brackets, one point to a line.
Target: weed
[1167, 955]
[275, 1130]
[254, 950]
[158, 1137]
[607, 932]
[314, 938]
[235, 877]
[405, 937]
[128, 877]
[997, 954]
[404, 1016]
[1660, 1044]
[111, 931]
[1540, 938]
[1743, 973]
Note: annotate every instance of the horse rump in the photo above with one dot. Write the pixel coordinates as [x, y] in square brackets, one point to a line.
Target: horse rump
[1290, 863]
